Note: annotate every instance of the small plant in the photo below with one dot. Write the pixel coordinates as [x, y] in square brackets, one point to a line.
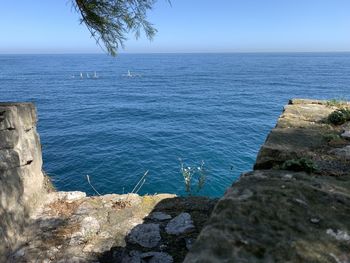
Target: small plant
[335, 102]
[339, 117]
[331, 137]
[189, 173]
[299, 165]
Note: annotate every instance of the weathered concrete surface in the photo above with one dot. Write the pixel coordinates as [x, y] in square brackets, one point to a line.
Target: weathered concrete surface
[21, 177]
[274, 215]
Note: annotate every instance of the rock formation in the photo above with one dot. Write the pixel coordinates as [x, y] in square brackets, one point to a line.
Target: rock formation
[295, 206]
[41, 226]
[21, 177]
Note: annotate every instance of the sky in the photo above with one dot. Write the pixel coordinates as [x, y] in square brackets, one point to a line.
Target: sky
[52, 26]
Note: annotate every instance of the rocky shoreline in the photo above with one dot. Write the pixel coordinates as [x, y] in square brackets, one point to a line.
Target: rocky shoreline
[297, 215]
[71, 227]
[294, 206]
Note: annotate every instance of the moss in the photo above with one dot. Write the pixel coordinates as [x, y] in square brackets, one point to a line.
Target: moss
[300, 165]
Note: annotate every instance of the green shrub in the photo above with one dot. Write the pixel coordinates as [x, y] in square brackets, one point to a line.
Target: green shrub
[346, 113]
[339, 117]
[331, 137]
[299, 165]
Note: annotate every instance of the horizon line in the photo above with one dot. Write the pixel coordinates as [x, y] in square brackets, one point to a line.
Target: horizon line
[193, 52]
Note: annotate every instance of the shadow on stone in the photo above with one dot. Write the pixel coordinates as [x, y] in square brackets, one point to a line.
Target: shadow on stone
[166, 234]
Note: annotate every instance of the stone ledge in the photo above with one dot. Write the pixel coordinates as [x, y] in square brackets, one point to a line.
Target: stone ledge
[274, 215]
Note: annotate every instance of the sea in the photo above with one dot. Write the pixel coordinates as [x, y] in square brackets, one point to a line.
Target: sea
[113, 119]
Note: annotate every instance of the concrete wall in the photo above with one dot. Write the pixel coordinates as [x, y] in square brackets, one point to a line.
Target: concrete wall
[21, 176]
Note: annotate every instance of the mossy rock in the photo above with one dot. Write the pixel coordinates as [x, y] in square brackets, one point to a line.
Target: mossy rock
[300, 165]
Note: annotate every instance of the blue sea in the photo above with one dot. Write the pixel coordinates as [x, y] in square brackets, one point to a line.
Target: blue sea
[216, 108]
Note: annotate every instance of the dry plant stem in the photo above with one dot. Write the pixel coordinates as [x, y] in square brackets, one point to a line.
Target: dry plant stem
[88, 179]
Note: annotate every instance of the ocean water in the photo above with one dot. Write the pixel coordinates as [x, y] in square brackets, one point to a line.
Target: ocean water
[217, 108]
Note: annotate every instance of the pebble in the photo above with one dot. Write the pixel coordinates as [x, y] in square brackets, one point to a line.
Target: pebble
[288, 176]
[315, 220]
[338, 234]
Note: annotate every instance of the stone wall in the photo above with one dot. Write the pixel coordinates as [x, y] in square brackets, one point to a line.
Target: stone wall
[21, 177]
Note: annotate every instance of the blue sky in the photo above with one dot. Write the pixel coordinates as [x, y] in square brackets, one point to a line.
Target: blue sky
[51, 26]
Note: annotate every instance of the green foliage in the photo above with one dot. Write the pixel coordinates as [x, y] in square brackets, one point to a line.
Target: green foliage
[188, 173]
[331, 137]
[109, 21]
[300, 165]
[339, 117]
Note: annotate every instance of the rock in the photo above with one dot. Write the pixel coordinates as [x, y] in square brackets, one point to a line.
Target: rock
[73, 259]
[71, 196]
[239, 195]
[346, 135]
[315, 220]
[146, 235]
[342, 152]
[19, 253]
[288, 176]
[189, 242]
[65, 196]
[275, 224]
[338, 234]
[156, 257]
[68, 226]
[299, 201]
[90, 226]
[22, 180]
[160, 216]
[99, 245]
[133, 256]
[180, 224]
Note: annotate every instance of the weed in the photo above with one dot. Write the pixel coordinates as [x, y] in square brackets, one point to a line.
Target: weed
[189, 173]
[300, 165]
[335, 103]
[331, 137]
[339, 117]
